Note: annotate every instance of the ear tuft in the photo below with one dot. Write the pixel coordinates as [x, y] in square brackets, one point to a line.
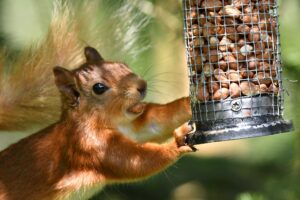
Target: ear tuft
[63, 77]
[60, 71]
[92, 55]
[65, 83]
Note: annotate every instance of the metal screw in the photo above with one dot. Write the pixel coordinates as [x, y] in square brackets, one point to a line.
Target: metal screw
[236, 106]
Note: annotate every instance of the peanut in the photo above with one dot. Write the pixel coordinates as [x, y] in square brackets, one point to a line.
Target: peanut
[246, 74]
[198, 42]
[195, 30]
[243, 28]
[214, 18]
[233, 75]
[267, 55]
[220, 75]
[232, 34]
[202, 19]
[248, 88]
[274, 71]
[198, 60]
[268, 40]
[213, 86]
[230, 21]
[249, 19]
[264, 66]
[220, 30]
[252, 63]
[254, 34]
[239, 3]
[232, 11]
[209, 29]
[263, 88]
[203, 94]
[259, 47]
[273, 89]
[214, 56]
[225, 85]
[225, 44]
[236, 51]
[235, 90]
[192, 3]
[202, 79]
[246, 50]
[192, 14]
[213, 41]
[262, 78]
[221, 94]
[208, 70]
[242, 42]
[212, 5]
[248, 9]
[230, 60]
[223, 65]
[205, 49]
[265, 5]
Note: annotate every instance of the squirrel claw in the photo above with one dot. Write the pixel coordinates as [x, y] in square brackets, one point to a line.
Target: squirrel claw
[181, 137]
[186, 138]
[194, 149]
[192, 127]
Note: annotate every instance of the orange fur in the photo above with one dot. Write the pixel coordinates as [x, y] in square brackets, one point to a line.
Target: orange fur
[87, 147]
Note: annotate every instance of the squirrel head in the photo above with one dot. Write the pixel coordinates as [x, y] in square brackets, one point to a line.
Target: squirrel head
[106, 90]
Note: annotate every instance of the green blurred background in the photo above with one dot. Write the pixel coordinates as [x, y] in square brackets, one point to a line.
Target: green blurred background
[250, 169]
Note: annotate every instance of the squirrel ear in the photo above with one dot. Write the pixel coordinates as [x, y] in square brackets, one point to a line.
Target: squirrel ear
[92, 55]
[65, 83]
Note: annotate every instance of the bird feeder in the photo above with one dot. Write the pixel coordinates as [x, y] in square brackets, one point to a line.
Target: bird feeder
[233, 55]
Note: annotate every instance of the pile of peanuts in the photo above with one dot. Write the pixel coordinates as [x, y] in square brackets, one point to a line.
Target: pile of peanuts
[232, 47]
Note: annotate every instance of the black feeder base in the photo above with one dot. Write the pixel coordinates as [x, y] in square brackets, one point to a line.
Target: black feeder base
[238, 128]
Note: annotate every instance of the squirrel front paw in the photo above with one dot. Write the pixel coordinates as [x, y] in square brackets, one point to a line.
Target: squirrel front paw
[180, 137]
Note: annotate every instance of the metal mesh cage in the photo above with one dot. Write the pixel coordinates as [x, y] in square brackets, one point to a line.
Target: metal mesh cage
[233, 55]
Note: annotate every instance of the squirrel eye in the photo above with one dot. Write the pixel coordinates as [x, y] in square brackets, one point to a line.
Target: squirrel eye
[99, 88]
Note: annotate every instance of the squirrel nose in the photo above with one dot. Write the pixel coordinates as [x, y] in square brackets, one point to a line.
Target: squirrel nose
[142, 88]
[142, 91]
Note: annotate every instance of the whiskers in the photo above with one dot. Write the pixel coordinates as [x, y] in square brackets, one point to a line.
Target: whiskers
[163, 84]
[131, 94]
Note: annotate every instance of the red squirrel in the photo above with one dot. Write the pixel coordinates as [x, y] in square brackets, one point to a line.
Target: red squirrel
[86, 149]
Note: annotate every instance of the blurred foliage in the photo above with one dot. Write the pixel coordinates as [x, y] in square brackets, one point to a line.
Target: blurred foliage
[265, 168]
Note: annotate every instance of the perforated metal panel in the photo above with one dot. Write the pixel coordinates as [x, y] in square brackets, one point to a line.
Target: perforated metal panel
[233, 55]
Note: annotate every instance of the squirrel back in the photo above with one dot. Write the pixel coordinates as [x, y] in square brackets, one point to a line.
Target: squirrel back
[28, 97]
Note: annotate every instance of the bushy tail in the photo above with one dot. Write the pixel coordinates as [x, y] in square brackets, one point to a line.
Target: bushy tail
[28, 96]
